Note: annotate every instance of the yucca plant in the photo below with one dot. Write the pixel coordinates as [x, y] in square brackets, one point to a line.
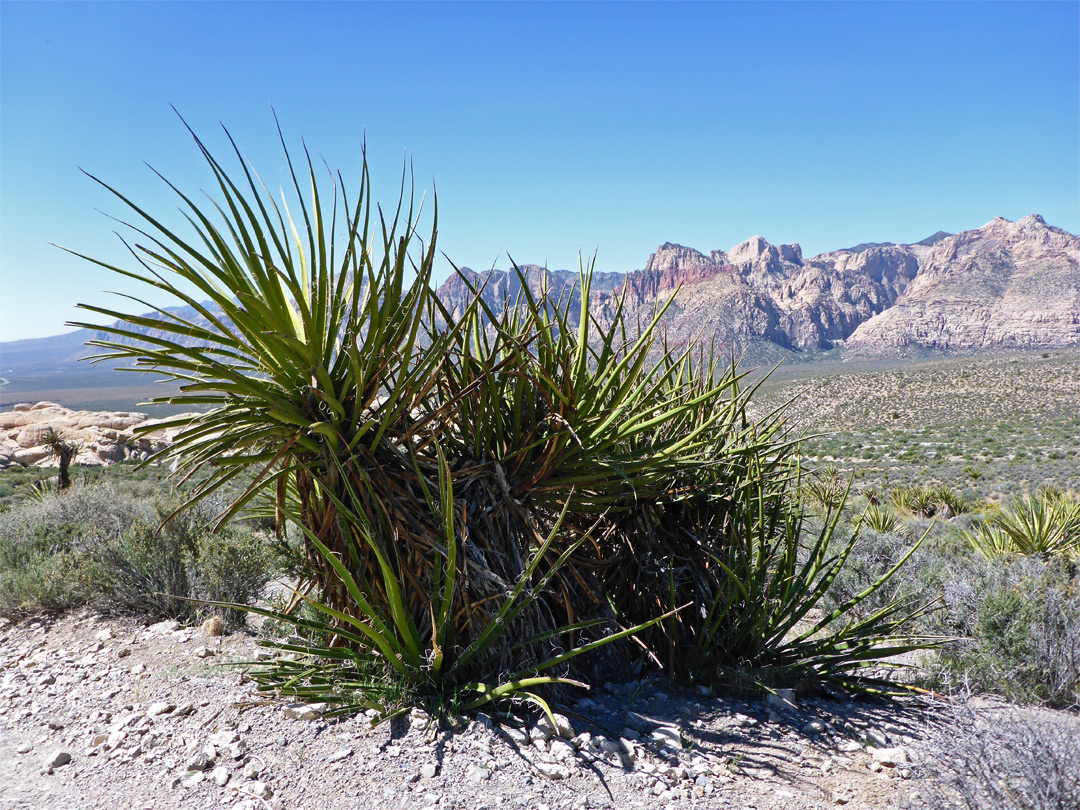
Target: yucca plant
[64, 451]
[825, 490]
[1046, 525]
[922, 500]
[332, 389]
[879, 518]
[483, 496]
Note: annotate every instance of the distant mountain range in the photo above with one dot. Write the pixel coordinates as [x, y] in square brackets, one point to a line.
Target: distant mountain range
[1004, 286]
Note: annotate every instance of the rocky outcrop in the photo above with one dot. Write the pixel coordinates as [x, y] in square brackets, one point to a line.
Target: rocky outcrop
[104, 437]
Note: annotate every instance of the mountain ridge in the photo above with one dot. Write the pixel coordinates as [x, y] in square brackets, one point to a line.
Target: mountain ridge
[1006, 285]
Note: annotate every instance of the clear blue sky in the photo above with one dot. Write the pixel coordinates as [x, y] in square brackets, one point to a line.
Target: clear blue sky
[547, 128]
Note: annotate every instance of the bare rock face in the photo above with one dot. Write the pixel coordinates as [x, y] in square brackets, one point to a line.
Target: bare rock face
[1007, 285]
[104, 437]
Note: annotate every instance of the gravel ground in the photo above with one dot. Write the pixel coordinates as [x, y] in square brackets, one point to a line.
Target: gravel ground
[113, 714]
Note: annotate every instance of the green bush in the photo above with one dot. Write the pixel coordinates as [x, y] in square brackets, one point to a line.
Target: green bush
[100, 547]
[1019, 623]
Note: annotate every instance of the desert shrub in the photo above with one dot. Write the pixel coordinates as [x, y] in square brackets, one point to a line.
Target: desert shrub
[1019, 624]
[95, 545]
[1003, 758]
[484, 494]
[158, 566]
[917, 583]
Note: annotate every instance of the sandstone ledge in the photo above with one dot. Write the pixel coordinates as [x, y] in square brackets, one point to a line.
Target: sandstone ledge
[105, 437]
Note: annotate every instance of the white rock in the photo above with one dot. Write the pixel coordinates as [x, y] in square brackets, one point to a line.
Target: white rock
[220, 775]
[890, 756]
[561, 727]
[669, 736]
[339, 755]
[103, 635]
[562, 750]
[199, 762]
[552, 770]
[163, 628]
[159, 708]
[876, 738]
[428, 771]
[58, 759]
[193, 780]
[224, 738]
[781, 699]
[251, 770]
[260, 790]
[304, 711]
[25, 748]
[115, 740]
[474, 773]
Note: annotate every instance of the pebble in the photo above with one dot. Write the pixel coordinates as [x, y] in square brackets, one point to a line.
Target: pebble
[220, 775]
[552, 770]
[260, 790]
[160, 708]
[337, 756]
[199, 762]
[475, 773]
[192, 780]
[813, 727]
[668, 736]
[58, 759]
[890, 756]
[876, 738]
[428, 771]
[781, 699]
[305, 711]
[560, 728]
